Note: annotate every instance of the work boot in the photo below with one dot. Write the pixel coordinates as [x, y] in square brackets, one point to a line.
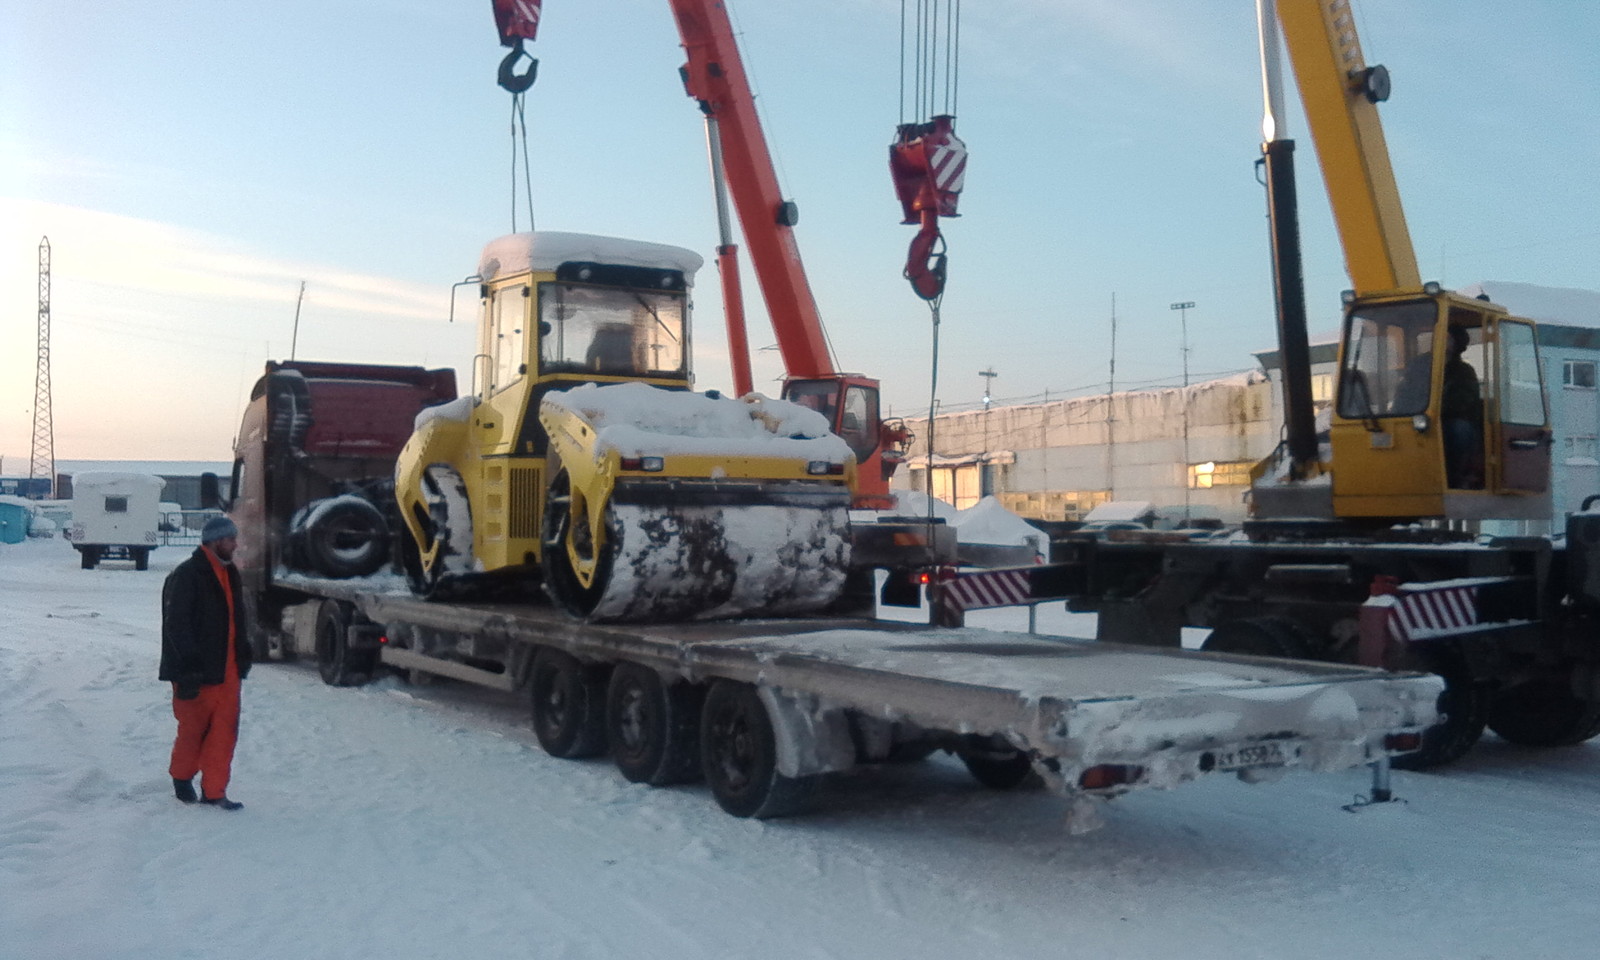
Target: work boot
[223, 803]
[184, 789]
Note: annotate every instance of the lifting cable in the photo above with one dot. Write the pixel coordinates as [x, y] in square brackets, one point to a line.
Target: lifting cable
[519, 132]
[933, 400]
[928, 164]
[518, 23]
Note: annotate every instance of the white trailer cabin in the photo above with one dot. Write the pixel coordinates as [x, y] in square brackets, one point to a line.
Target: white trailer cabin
[115, 516]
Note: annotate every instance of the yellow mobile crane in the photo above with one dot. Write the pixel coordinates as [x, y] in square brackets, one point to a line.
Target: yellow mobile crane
[1439, 411]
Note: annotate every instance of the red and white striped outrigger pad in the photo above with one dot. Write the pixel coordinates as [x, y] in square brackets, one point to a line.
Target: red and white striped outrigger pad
[987, 588]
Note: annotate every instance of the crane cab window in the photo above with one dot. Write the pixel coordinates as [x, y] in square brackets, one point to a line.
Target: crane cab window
[819, 395]
[1388, 361]
[857, 424]
[611, 331]
[1521, 386]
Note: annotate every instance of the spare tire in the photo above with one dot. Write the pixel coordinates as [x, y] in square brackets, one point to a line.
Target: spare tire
[345, 537]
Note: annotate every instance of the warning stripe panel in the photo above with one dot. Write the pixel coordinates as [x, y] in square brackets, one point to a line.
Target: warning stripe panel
[990, 588]
[1423, 613]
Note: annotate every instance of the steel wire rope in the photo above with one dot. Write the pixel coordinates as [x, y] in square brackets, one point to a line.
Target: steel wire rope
[519, 126]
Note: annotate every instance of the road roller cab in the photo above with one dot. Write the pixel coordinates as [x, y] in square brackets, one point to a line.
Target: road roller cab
[494, 493]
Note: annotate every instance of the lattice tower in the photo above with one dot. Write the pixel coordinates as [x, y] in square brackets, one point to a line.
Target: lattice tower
[44, 440]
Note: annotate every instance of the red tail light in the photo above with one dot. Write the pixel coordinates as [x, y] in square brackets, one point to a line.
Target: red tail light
[1109, 775]
[1403, 742]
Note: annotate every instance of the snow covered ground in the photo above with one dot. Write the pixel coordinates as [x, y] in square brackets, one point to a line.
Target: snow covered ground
[415, 822]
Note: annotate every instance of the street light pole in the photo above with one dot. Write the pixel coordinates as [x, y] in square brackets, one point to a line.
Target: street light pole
[983, 465]
[1183, 307]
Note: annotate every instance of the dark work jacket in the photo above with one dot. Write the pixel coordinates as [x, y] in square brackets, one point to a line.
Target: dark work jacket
[194, 623]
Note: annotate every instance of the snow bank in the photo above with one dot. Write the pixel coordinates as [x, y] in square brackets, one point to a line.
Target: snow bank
[636, 419]
[988, 522]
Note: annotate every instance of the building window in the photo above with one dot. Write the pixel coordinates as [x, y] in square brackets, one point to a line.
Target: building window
[1053, 504]
[1578, 374]
[956, 485]
[1204, 476]
[1321, 387]
[1581, 451]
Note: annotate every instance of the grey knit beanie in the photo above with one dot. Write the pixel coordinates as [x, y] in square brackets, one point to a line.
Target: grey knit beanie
[218, 528]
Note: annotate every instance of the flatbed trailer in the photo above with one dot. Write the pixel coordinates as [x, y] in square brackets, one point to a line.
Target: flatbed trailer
[762, 708]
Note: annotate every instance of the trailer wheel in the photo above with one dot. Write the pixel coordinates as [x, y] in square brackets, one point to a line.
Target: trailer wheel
[141, 558]
[1544, 713]
[1464, 704]
[739, 755]
[652, 726]
[88, 557]
[568, 705]
[998, 769]
[339, 665]
[349, 538]
[1259, 637]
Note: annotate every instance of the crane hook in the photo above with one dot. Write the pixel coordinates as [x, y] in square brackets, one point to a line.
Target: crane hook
[510, 79]
[926, 261]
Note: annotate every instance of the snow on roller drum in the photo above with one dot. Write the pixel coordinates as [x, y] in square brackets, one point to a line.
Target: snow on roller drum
[749, 513]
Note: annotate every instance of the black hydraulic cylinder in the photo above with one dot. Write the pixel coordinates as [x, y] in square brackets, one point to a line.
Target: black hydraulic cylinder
[1294, 347]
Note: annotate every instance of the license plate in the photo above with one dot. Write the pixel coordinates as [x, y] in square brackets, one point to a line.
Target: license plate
[1255, 755]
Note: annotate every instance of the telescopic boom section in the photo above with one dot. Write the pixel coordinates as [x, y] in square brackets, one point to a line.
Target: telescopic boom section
[1340, 94]
[715, 77]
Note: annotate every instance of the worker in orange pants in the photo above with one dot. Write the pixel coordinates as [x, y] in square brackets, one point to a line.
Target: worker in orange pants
[204, 655]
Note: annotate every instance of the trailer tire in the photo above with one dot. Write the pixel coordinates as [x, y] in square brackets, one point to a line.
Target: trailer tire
[1543, 713]
[998, 769]
[349, 538]
[652, 726]
[141, 558]
[339, 665]
[1464, 703]
[569, 700]
[88, 557]
[739, 754]
[1259, 637]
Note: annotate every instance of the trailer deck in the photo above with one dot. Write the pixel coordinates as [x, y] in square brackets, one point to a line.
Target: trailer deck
[1091, 717]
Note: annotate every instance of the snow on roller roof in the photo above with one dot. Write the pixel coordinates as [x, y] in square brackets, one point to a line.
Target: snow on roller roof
[636, 419]
[546, 250]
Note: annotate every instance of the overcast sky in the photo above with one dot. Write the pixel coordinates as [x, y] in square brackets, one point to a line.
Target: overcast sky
[193, 162]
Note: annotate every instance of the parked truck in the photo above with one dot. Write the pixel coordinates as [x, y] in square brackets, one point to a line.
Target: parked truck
[313, 473]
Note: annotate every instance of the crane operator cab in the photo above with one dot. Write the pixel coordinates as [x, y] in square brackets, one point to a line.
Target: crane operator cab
[850, 404]
[1439, 413]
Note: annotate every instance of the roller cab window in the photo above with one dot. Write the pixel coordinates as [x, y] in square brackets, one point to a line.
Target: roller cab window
[611, 331]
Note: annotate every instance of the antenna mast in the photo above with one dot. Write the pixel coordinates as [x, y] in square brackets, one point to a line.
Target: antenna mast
[43, 463]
